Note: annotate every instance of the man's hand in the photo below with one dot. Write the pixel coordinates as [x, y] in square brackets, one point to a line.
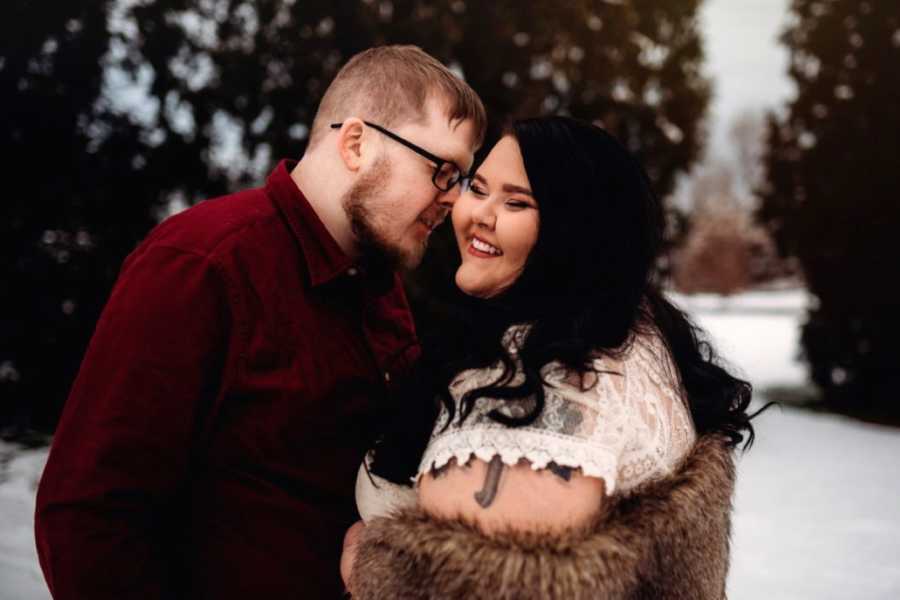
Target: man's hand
[351, 539]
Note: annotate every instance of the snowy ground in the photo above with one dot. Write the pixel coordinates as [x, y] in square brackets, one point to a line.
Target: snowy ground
[20, 575]
[817, 512]
[817, 508]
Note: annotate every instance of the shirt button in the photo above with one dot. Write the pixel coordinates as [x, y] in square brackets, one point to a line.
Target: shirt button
[352, 271]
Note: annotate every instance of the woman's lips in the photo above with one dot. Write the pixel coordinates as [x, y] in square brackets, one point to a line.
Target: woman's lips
[481, 249]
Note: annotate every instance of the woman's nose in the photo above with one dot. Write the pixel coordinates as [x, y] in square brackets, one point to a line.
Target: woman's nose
[484, 214]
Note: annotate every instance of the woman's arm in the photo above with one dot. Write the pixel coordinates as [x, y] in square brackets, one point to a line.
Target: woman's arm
[666, 540]
[348, 555]
[496, 496]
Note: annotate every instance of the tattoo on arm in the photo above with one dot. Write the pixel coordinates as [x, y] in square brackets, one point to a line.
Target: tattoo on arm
[564, 473]
[441, 471]
[486, 496]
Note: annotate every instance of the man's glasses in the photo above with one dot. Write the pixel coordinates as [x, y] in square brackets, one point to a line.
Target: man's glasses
[446, 173]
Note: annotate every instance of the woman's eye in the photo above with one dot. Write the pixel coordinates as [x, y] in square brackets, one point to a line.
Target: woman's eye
[477, 189]
[517, 204]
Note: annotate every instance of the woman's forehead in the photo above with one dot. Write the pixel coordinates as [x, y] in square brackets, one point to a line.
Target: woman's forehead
[504, 164]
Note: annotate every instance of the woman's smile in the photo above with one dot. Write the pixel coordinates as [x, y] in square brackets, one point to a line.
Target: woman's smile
[482, 249]
[496, 220]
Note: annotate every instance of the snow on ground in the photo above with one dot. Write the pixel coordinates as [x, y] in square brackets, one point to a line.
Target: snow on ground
[20, 575]
[785, 301]
[758, 333]
[817, 511]
[817, 508]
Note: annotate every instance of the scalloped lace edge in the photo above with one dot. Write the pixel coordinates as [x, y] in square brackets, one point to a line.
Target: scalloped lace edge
[541, 451]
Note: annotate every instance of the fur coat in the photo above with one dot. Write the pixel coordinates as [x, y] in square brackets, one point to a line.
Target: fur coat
[667, 540]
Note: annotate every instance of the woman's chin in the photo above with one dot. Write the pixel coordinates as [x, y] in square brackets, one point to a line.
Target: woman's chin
[473, 292]
[469, 287]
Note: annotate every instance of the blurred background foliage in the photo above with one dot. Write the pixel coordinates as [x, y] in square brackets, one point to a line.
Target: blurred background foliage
[832, 195]
[119, 112]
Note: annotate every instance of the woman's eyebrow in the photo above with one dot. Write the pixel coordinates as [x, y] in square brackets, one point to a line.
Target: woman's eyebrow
[509, 188]
[516, 189]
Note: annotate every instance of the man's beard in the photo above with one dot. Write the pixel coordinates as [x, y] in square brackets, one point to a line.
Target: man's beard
[374, 249]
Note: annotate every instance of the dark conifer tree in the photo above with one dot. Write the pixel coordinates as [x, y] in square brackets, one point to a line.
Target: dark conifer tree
[127, 107]
[833, 194]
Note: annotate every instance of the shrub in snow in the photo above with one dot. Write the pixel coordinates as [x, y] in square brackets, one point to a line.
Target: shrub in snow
[724, 252]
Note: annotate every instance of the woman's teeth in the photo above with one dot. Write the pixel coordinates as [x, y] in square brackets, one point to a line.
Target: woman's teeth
[485, 247]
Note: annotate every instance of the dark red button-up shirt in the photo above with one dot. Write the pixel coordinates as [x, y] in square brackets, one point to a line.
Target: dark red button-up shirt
[211, 441]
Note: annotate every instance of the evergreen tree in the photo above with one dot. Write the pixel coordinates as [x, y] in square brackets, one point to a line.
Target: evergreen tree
[832, 194]
[132, 106]
[263, 65]
[51, 72]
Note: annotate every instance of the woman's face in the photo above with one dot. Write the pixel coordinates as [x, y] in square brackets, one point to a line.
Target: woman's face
[496, 223]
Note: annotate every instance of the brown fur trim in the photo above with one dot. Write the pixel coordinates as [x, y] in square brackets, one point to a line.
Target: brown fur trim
[668, 540]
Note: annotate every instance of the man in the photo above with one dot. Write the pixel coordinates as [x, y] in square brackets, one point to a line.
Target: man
[210, 444]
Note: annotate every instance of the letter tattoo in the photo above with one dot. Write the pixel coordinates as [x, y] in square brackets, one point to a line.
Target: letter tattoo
[564, 473]
[486, 496]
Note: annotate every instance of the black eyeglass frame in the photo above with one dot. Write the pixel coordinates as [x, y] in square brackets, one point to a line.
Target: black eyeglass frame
[437, 160]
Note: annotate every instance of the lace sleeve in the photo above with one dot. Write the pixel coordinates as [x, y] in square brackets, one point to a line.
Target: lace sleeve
[656, 384]
[625, 423]
[584, 425]
[664, 432]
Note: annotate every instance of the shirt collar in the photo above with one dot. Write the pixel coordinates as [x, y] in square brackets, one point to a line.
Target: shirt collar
[325, 261]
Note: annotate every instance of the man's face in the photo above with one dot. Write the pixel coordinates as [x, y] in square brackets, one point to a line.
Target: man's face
[393, 206]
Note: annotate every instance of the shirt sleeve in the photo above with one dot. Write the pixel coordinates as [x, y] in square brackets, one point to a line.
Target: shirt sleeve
[631, 412]
[664, 432]
[594, 407]
[122, 446]
[585, 424]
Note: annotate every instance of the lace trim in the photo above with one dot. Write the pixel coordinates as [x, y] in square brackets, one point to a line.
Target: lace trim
[512, 445]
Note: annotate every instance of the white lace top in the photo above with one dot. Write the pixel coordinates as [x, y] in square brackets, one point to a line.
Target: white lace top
[626, 424]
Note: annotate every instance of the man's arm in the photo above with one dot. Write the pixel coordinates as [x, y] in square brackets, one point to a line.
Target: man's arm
[123, 444]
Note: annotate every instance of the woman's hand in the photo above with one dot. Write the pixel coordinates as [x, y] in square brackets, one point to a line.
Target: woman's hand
[351, 539]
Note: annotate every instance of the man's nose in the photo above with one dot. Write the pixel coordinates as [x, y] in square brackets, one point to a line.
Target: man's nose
[448, 199]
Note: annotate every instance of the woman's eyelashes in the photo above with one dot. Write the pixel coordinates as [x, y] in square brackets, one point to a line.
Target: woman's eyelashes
[480, 191]
[517, 204]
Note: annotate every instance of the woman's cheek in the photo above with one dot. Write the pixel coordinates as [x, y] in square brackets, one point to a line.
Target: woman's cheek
[521, 236]
[460, 215]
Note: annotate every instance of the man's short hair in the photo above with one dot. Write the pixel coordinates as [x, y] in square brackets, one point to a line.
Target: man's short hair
[389, 85]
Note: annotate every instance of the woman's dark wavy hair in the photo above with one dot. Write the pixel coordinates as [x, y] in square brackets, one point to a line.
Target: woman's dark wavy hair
[588, 287]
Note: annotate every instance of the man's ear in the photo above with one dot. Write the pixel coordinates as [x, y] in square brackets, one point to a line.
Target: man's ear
[350, 142]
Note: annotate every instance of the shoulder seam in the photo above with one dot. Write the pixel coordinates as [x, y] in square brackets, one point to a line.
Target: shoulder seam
[231, 289]
[211, 253]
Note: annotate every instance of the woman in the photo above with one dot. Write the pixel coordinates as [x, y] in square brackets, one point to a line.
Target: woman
[573, 385]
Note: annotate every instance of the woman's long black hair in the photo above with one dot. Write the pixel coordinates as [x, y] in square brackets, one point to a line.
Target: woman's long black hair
[588, 287]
